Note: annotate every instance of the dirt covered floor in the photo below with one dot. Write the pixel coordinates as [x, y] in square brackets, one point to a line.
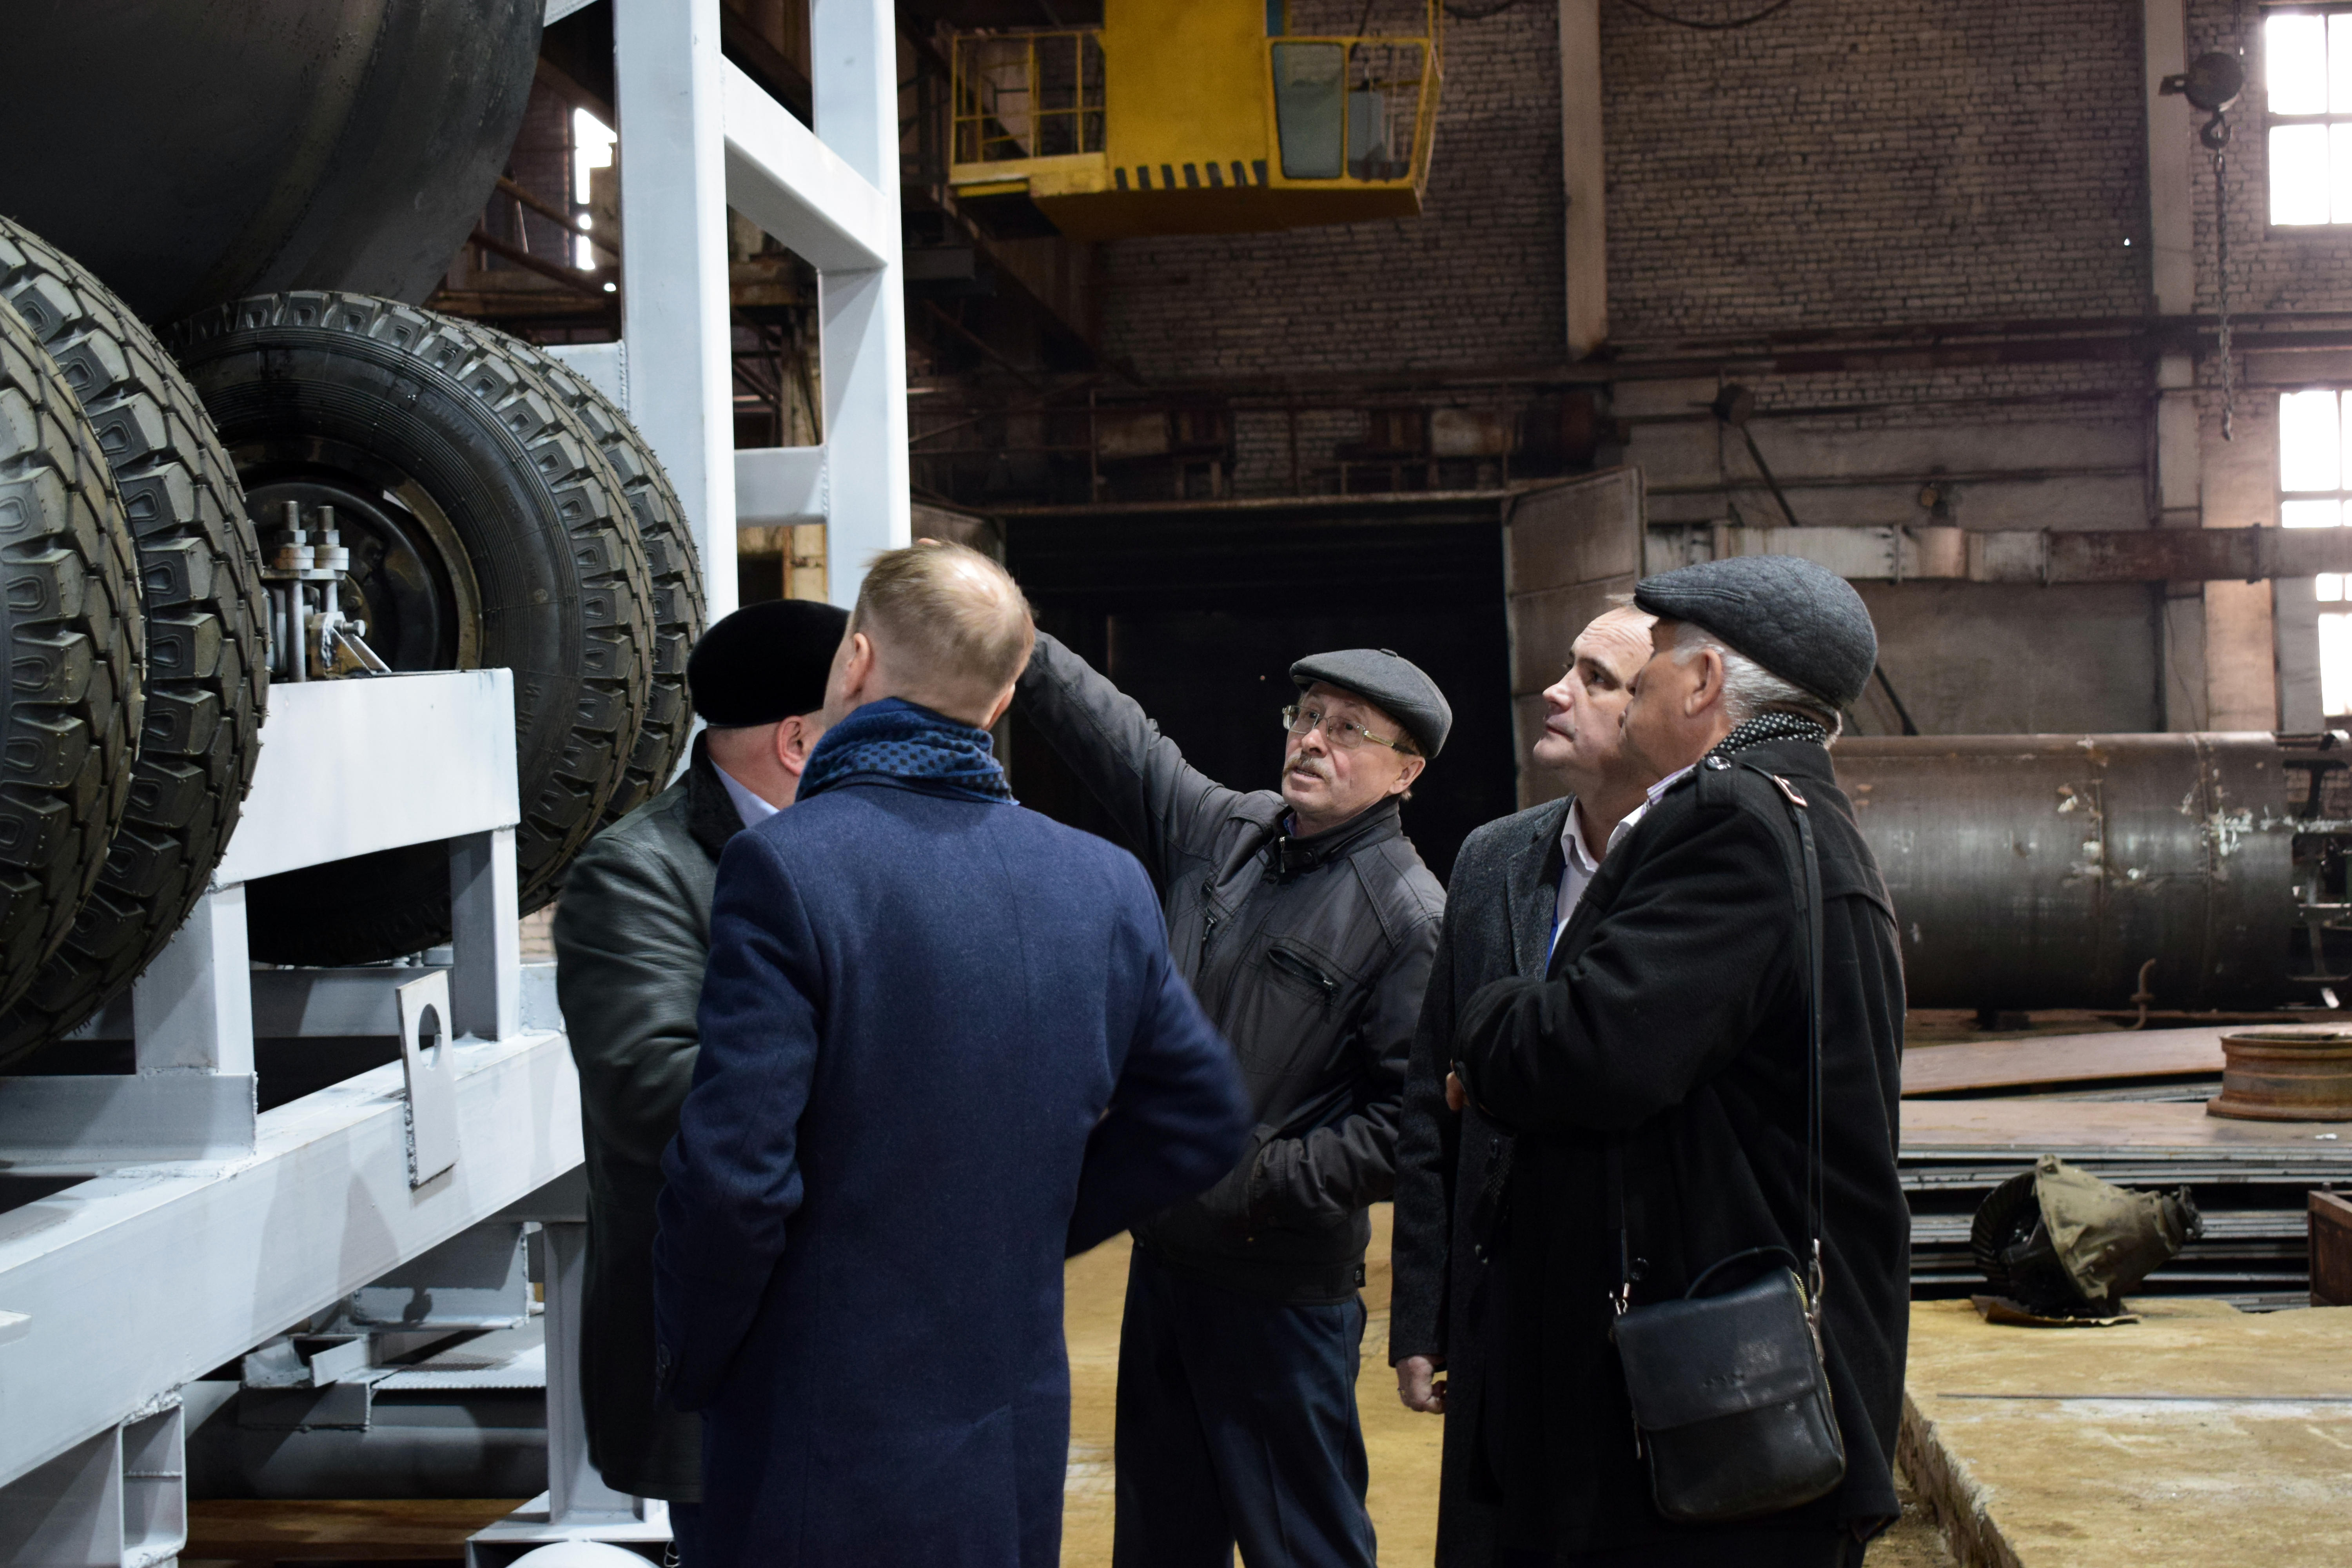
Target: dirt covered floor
[1403, 1446]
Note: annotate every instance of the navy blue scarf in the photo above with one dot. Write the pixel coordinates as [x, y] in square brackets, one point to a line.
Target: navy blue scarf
[898, 741]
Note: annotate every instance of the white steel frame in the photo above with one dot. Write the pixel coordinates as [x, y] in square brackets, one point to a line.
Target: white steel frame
[698, 136]
[203, 1228]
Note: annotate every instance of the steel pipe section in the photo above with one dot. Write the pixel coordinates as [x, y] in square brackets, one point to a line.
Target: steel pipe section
[2045, 871]
[190, 154]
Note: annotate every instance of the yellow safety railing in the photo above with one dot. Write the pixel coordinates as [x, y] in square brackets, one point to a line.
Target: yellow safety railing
[1027, 95]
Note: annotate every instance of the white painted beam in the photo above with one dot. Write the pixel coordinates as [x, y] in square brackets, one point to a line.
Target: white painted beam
[776, 487]
[853, 56]
[351, 766]
[798, 189]
[674, 301]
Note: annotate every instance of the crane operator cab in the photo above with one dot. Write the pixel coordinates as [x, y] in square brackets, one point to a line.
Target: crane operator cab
[1198, 117]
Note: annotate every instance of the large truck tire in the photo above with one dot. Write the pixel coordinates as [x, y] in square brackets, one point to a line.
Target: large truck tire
[192, 155]
[200, 588]
[486, 530]
[677, 572]
[70, 619]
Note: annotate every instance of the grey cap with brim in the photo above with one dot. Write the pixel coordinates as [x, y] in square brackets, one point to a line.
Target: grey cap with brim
[1389, 680]
[1796, 617]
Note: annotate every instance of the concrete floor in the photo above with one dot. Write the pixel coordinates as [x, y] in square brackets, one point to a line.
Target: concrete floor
[1403, 1446]
[2199, 1435]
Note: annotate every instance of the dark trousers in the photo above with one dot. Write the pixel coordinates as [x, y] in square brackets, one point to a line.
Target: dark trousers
[685, 1534]
[1731, 1549]
[1237, 1424]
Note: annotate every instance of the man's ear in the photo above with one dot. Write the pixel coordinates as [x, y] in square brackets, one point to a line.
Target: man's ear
[997, 710]
[1709, 687]
[1413, 766]
[859, 669]
[796, 737]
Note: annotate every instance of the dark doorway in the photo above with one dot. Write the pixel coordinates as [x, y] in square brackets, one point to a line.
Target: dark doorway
[1197, 613]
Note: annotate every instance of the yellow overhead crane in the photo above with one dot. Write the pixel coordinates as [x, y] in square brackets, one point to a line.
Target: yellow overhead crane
[1197, 117]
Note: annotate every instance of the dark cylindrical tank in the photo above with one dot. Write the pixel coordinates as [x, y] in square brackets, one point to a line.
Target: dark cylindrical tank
[2045, 871]
[190, 153]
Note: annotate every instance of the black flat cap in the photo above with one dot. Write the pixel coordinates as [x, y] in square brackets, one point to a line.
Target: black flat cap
[1796, 617]
[765, 662]
[1395, 683]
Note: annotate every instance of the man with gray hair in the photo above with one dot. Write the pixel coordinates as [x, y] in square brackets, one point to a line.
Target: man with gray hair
[1656, 1081]
[942, 1046]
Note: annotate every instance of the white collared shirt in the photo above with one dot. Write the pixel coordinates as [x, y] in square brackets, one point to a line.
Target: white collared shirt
[752, 809]
[1579, 864]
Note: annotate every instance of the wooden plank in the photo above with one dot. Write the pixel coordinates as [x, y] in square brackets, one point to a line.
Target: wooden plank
[2331, 1250]
[2056, 1061]
[402, 1531]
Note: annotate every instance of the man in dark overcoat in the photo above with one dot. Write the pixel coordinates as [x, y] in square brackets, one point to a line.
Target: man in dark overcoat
[1670, 1026]
[942, 1046]
[631, 933]
[1515, 885]
[1305, 920]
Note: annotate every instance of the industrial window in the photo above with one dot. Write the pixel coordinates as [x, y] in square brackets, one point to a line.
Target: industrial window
[2307, 66]
[592, 148]
[2315, 449]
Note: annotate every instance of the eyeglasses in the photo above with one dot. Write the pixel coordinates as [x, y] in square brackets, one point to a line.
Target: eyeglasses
[1342, 733]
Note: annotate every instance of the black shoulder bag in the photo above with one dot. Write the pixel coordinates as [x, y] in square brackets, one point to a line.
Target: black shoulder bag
[1730, 1395]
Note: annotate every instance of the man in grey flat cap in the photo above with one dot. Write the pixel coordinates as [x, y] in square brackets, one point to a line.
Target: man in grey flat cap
[1655, 1077]
[1305, 922]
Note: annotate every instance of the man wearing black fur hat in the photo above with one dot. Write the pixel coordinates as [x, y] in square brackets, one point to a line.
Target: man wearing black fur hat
[632, 935]
[1305, 922]
[1656, 1078]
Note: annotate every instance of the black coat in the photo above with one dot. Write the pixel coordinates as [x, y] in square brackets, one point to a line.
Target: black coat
[1498, 919]
[1671, 1020]
[632, 935]
[1308, 953]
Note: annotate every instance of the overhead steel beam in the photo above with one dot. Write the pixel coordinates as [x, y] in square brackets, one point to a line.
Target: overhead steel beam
[2021, 556]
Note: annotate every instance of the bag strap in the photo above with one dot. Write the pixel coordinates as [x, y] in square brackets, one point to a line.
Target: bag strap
[1807, 881]
[1805, 878]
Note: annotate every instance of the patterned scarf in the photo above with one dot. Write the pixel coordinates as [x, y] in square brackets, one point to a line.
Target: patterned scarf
[895, 738]
[1774, 724]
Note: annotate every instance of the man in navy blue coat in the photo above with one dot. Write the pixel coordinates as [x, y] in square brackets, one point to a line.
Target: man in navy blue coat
[942, 1046]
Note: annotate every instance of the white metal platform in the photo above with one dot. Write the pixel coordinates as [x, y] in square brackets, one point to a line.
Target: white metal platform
[200, 1228]
[204, 1229]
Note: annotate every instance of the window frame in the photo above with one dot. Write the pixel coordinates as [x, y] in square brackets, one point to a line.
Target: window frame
[2271, 228]
[2295, 604]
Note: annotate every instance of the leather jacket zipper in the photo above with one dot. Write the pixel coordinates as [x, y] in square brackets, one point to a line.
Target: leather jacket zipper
[1208, 921]
[1282, 958]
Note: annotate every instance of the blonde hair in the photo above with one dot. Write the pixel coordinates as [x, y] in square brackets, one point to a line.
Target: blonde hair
[951, 625]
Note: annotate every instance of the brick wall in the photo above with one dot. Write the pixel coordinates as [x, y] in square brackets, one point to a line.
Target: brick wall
[1908, 161]
[2270, 269]
[1477, 280]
